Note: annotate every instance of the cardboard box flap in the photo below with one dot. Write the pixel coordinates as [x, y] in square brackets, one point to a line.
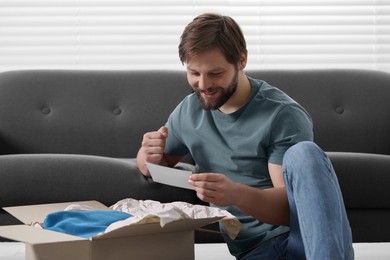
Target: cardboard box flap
[155, 228]
[37, 213]
[32, 235]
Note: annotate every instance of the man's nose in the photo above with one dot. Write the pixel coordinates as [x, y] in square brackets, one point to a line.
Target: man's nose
[204, 83]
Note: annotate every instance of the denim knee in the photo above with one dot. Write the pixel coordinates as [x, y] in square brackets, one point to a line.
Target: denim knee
[304, 156]
[302, 150]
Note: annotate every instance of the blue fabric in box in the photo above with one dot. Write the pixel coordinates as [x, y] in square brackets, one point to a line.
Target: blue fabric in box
[83, 223]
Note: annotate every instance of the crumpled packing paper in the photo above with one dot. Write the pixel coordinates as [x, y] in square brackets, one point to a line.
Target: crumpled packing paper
[150, 211]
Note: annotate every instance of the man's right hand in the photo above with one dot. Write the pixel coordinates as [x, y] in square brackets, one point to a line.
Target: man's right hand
[153, 145]
[152, 149]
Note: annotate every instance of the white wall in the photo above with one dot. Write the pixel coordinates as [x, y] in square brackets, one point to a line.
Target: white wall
[125, 34]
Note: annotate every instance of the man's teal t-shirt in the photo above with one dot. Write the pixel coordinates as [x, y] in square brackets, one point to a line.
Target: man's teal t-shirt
[240, 145]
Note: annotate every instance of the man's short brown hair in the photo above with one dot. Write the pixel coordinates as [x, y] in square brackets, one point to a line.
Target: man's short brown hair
[208, 31]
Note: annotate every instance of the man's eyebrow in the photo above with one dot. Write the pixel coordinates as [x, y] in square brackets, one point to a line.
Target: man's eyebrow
[210, 71]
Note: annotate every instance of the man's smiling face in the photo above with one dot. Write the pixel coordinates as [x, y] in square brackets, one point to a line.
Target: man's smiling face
[213, 79]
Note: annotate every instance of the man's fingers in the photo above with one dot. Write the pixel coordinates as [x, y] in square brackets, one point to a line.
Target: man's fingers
[204, 183]
[163, 130]
[210, 177]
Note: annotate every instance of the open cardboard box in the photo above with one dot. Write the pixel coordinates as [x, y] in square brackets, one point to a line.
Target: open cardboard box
[144, 241]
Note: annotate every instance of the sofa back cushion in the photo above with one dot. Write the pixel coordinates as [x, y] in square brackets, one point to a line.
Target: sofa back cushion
[107, 112]
[350, 108]
[101, 113]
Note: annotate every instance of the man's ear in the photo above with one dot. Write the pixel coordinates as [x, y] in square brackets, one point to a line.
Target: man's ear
[243, 60]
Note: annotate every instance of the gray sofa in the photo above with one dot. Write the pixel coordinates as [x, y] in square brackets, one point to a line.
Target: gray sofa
[72, 135]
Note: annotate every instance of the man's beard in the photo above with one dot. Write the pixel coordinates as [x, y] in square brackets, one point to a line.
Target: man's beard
[213, 104]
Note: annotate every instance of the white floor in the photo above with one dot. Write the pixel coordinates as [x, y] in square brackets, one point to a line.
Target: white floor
[363, 251]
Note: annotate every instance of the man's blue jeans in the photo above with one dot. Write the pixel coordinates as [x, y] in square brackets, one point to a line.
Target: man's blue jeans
[319, 227]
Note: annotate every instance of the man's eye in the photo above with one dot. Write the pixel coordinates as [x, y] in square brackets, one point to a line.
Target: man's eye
[215, 74]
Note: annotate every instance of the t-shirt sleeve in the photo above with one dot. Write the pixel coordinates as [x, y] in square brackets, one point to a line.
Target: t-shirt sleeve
[291, 126]
[174, 144]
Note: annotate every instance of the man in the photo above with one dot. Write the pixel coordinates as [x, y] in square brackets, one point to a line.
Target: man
[252, 145]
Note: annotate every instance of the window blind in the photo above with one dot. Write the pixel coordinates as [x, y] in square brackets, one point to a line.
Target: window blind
[128, 35]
